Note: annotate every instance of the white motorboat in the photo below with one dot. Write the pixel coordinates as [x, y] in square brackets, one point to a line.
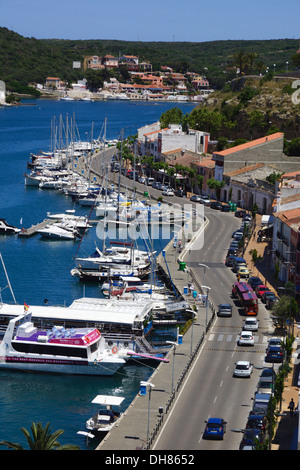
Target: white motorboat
[106, 418]
[136, 258]
[7, 229]
[130, 283]
[56, 232]
[81, 351]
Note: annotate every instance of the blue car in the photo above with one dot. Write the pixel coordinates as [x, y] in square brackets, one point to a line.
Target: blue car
[215, 428]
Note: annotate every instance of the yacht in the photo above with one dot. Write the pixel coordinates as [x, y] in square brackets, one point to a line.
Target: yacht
[107, 417]
[7, 229]
[78, 351]
[57, 232]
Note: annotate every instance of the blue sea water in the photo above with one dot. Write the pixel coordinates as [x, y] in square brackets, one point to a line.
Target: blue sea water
[40, 269]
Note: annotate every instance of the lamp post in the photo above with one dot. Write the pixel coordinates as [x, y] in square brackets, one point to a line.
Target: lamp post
[206, 314]
[173, 365]
[204, 270]
[150, 385]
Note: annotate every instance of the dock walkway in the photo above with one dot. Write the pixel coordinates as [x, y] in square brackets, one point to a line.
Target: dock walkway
[142, 420]
[29, 232]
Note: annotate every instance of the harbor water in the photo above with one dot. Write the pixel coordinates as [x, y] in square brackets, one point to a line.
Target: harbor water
[39, 269]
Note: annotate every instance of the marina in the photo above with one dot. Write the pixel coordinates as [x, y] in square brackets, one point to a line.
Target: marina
[39, 271]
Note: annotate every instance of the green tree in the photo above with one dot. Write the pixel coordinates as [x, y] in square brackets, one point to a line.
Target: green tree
[42, 439]
[171, 116]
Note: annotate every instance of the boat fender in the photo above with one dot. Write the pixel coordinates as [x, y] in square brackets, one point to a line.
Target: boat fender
[114, 350]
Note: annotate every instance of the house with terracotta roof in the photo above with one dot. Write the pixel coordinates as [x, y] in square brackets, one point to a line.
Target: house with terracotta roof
[249, 185]
[268, 150]
[286, 245]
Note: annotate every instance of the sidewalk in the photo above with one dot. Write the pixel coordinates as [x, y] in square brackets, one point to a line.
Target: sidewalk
[286, 435]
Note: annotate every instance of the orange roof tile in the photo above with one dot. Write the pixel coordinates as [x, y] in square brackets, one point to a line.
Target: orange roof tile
[252, 143]
[245, 169]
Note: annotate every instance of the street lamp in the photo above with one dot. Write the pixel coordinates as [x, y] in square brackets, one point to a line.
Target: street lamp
[207, 292]
[150, 385]
[173, 366]
[204, 271]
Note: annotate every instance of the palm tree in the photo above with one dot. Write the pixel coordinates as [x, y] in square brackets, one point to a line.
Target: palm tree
[41, 439]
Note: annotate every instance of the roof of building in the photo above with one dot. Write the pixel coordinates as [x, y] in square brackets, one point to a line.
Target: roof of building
[289, 217]
[252, 143]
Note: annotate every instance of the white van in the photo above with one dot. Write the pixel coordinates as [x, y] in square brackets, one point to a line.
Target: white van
[150, 181]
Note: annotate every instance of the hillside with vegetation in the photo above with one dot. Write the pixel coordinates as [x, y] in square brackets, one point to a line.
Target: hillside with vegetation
[26, 60]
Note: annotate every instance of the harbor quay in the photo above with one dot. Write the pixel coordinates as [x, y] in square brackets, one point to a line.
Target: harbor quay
[142, 420]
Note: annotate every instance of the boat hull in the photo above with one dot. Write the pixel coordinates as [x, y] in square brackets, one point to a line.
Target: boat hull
[56, 366]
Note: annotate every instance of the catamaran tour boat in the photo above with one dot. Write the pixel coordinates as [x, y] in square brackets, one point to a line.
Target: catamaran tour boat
[74, 351]
[107, 417]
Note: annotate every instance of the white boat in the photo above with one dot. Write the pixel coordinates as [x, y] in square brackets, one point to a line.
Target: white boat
[56, 232]
[130, 283]
[81, 351]
[7, 229]
[66, 98]
[106, 418]
[136, 258]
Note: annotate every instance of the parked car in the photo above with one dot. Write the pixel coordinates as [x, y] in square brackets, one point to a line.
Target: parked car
[229, 260]
[274, 354]
[257, 422]
[238, 262]
[232, 252]
[168, 192]
[150, 181]
[180, 193]
[267, 295]
[216, 205]
[236, 232]
[271, 301]
[251, 437]
[274, 342]
[243, 272]
[205, 200]
[260, 403]
[195, 198]
[245, 338]
[268, 372]
[240, 213]
[156, 185]
[224, 310]
[142, 179]
[254, 281]
[215, 428]
[251, 324]
[238, 236]
[265, 386]
[225, 208]
[243, 369]
[261, 289]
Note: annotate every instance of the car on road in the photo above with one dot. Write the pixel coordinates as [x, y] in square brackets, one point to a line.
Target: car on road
[232, 252]
[260, 403]
[245, 338]
[251, 324]
[216, 205]
[156, 185]
[142, 179]
[260, 290]
[168, 192]
[243, 369]
[215, 428]
[180, 193]
[224, 310]
[195, 198]
[267, 295]
[238, 262]
[238, 236]
[274, 354]
[254, 281]
[243, 272]
[205, 200]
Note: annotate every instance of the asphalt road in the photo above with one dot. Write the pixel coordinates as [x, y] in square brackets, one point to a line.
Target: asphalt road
[210, 389]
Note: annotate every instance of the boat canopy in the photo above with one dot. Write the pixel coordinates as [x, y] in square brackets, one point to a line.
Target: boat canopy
[108, 400]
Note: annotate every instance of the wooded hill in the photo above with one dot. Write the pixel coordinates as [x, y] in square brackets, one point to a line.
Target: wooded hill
[27, 60]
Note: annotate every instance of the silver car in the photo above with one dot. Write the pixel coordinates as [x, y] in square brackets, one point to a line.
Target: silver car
[251, 324]
[245, 339]
[243, 369]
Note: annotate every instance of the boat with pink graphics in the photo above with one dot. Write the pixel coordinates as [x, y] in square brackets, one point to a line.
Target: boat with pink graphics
[78, 351]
